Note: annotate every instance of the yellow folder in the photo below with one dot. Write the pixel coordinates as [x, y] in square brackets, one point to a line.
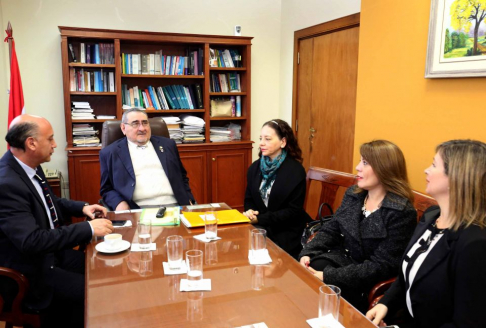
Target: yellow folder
[195, 219]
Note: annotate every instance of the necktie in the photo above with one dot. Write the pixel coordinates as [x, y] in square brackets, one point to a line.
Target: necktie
[48, 197]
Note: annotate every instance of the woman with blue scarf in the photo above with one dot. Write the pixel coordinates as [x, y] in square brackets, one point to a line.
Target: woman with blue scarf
[275, 190]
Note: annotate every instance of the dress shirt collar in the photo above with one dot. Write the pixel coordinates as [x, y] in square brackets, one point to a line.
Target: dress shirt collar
[28, 170]
[133, 145]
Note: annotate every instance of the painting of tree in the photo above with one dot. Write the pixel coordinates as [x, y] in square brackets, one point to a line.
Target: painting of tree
[466, 14]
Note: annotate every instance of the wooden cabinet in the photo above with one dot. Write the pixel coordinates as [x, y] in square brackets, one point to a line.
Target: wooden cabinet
[217, 171]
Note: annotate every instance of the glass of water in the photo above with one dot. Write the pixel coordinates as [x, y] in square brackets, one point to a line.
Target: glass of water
[144, 234]
[174, 251]
[194, 261]
[211, 224]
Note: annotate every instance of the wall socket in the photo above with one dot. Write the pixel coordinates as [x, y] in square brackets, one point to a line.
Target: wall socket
[237, 30]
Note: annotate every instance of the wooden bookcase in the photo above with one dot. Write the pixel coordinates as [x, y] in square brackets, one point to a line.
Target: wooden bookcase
[217, 171]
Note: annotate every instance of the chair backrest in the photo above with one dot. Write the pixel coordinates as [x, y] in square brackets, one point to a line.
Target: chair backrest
[13, 288]
[112, 132]
[331, 181]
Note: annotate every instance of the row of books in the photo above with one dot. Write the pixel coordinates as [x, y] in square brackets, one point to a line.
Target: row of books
[224, 58]
[159, 64]
[230, 132]
[167, 97]
[92, 80]
[84, 135]
[97, 53]
[225, 82]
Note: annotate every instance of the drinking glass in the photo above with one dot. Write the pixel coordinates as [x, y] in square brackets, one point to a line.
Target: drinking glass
[174, 251]
[329, 298]
[211, 224]
[194, 261]
[211, 253]
[146, 264]
[144, 234]
[194, 306]
[257, 277]
[258, 242]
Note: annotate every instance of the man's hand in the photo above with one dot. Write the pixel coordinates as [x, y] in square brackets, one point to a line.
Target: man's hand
[123, 206]
[90, 210]
[252, 215]
[101, 227]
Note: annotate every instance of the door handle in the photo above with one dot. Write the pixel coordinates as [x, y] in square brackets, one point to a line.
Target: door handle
[312, 130]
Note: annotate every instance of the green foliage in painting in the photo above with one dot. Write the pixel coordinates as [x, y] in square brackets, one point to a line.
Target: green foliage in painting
[466, 14]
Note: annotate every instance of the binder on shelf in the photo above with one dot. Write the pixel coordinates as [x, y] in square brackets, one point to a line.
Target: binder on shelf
[195, 219]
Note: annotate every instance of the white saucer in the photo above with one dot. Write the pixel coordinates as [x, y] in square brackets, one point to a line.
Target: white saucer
[101, 247]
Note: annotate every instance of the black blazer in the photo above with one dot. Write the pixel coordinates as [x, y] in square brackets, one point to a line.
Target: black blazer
[374, 244]
[449, 289]
[285, 218]
[27, 242]
[118, 177]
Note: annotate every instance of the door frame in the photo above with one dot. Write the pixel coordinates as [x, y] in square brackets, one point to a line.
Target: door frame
[343, 23]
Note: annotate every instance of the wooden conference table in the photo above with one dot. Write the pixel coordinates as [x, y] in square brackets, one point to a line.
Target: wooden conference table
[129, 289]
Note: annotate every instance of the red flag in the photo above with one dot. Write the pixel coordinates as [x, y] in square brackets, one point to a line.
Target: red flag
[16, 99]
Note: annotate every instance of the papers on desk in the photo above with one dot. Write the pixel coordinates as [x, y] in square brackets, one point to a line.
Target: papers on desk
[136, 248]
[169, 271]
[203, 238]
[171, 216]
[259, 257]
[255, 325]
[203, 285]
[325, 321]
[196, 219]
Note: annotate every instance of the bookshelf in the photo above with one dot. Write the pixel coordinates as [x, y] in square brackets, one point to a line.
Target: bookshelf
[217, 170]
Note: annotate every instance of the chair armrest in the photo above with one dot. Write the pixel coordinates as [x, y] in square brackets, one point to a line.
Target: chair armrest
[23, 284]
[378, 290]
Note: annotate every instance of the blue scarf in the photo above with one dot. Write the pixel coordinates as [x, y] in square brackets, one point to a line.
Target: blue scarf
[269, 170]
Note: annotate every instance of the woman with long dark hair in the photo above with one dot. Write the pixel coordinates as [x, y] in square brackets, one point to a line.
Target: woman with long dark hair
[276, 187]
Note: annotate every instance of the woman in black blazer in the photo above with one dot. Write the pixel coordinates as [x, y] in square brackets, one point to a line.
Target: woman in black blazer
[364, 241]
[442, 280]
[275, 191]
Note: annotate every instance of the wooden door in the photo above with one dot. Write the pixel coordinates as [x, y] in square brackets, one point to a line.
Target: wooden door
[324, 104]
[325, 93]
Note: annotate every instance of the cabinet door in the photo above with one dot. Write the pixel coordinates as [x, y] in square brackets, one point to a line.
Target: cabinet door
[228, 176]
[85, 177]
[195, 164]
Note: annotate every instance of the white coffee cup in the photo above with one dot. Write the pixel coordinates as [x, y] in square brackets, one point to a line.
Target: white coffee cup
[113, 241]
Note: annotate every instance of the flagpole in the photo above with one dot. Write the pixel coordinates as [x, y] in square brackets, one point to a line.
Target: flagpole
[9, 41]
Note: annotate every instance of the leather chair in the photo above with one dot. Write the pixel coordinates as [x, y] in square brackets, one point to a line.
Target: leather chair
[111, 130]
[333, 185]
[13, 288]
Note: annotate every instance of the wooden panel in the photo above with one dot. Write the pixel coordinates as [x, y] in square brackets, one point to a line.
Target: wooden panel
[228, 177]
[87, 179]
[195, 164]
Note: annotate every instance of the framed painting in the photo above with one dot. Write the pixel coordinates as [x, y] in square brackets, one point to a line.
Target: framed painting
[457, 39]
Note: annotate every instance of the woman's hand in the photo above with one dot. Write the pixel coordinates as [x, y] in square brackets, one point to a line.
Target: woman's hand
[377, 314]
[252, 215]
[318, 274]
[305, 261]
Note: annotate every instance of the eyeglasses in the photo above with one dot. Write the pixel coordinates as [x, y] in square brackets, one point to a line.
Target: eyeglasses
[136, 124]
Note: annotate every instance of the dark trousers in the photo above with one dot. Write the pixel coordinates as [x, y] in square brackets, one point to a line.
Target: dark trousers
[355, 296]
[68, 284]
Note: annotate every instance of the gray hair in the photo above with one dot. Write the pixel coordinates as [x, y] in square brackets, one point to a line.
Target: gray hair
[132, 110]
[18, 134]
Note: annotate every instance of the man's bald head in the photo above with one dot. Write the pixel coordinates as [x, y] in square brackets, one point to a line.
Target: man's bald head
[23, 127]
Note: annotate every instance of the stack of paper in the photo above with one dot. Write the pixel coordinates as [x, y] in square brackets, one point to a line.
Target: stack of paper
[81, 110]
[230, 132]
[193, 129]
[84, 135]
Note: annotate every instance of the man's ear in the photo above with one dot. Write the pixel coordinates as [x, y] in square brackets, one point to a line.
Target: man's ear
[30, 143]
[122, 127]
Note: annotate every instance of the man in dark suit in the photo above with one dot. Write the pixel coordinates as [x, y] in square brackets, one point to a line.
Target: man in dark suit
[33, 237]
[141, 169]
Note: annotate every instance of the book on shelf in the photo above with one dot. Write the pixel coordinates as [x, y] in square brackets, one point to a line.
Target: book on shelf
[105, 117]
[71, 51]
[83, 53]
[238, 106]
[84, 80]
[224, 58]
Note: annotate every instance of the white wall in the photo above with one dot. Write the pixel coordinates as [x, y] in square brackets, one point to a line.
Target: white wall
[296, 15]
[35, 24]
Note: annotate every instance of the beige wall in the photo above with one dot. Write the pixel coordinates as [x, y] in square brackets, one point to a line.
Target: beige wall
[396, 102]
[296, 15]
[37, 40]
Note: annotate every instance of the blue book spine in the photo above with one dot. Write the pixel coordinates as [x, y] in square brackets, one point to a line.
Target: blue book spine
[152, 97]
[238, 106]
[180, 105]
[180, 89]
[97, 54]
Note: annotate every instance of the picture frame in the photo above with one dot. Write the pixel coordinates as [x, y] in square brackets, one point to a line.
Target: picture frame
[453, 37]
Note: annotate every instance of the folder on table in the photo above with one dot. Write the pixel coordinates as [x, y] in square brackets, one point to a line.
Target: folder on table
[196, 219]
[171, 216]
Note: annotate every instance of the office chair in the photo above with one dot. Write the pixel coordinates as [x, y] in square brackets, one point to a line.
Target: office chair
[111, 130]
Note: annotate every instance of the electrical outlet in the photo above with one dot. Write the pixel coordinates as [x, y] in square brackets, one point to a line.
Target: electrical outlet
[238, 30]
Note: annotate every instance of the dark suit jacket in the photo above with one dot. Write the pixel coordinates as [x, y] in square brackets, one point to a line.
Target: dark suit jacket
[27, 242]
[118, 177]
[374, 244]
[285, 218]
[449, 289]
